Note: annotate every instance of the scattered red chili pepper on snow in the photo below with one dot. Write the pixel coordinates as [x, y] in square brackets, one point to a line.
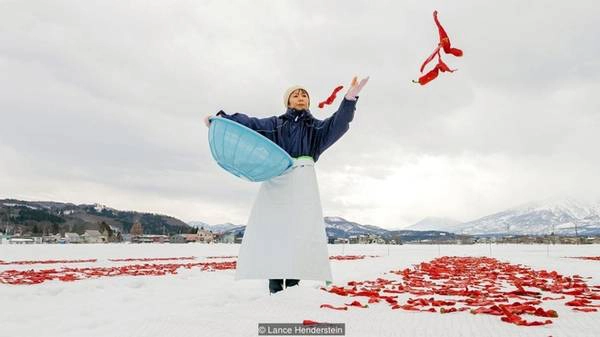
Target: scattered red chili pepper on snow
[486, 285]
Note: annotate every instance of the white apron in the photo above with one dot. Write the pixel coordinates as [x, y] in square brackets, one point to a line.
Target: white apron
[285, 234]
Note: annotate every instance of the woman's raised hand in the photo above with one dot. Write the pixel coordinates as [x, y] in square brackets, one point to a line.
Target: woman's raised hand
[356, 87]
[206, 121]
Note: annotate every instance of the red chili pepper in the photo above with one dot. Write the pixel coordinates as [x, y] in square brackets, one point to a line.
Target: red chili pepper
[332, 307]
[444, 39]
[309, 322]
[430, 76]
[331, 97]
[578, 303]
[435, 52]
[443, 66]
[357, 304]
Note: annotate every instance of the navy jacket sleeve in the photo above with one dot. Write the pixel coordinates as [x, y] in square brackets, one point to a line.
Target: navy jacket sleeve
[333, 128]
[265, 126]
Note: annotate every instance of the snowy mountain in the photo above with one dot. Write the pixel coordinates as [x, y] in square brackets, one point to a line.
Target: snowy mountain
[337, 227]
[198, 224]
[334, 226]
[559, 215]
[50, 217]
[434, 223]
[342, 228]
[220, 228]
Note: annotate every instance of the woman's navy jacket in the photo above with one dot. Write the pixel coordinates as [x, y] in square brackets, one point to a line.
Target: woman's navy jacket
[297, 131]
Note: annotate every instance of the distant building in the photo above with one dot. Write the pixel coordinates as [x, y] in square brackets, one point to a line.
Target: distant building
[21, 241]
[202, 236]
[149, 238]
[178, 238]
[51, 238]
[226, 238]
[93, 236]
[205, 236]
[72, 238]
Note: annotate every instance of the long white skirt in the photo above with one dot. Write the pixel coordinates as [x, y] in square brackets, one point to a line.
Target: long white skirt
[285, 235]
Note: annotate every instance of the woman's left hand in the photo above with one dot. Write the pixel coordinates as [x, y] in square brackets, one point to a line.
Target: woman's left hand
[355, 88]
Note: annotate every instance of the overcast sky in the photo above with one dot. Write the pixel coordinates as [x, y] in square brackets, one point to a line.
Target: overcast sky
[102, 101]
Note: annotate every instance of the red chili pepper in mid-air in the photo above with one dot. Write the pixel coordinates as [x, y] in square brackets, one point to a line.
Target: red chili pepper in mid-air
[331, 97]
[444, 39]
[445, 45]
[430, 76]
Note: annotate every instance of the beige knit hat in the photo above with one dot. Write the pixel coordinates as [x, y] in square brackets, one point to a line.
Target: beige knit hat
[286, 96]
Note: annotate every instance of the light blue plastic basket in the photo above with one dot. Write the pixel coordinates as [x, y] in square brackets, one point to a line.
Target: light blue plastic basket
[244, 152]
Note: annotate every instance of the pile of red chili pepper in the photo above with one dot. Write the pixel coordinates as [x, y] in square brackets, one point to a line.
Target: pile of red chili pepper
[350, 257]
[4, 263]
[73, 274]
[593, 258]
[480, 285]
[444, 45]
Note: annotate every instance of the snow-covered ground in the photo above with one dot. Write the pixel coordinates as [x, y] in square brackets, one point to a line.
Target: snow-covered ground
[199, 303]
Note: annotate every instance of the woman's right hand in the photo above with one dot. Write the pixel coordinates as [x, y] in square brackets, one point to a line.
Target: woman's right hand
[207, 121]
[355, 88]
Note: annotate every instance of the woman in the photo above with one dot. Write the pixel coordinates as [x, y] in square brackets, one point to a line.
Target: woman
[285, 235]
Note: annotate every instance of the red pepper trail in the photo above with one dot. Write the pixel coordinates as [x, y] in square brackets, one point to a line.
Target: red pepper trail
[350, 257]
[16, 277]
[480, 285]
[445, 45]
[143, 259]
[592, 258]
[4, 263]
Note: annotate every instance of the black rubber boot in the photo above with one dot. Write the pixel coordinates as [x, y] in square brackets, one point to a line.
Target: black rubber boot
[291, 282]
[275, 285]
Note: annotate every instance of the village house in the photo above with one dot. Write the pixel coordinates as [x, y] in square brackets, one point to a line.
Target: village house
[93, 236]
[204, 236]
[225, 238]
[21, 241]
[72, 238]
[149, 238]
